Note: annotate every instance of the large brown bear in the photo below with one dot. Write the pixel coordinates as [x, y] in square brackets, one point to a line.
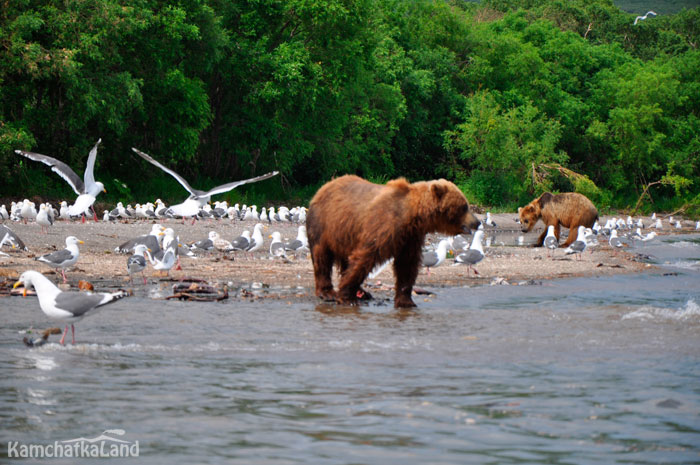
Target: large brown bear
[357, 224]
[569, 209]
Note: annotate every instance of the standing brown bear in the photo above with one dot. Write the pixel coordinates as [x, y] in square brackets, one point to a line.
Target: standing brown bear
[569, 209]
[357, 224]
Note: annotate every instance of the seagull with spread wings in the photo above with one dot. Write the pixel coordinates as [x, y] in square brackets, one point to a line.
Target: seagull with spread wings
[197, 199]
[87, 188]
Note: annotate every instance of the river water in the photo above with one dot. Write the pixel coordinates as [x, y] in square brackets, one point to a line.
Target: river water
[585, 370]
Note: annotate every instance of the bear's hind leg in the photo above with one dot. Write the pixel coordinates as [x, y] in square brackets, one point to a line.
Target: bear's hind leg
[573, 234]
[406, 265]
[359, 266]
[322, 259]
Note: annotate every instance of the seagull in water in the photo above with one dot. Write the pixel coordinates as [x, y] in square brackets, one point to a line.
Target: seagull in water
[475, 253]
[197, 199]
[63, 258]
[579, 245]
[642, 18]
[68, 306]
[87, 189]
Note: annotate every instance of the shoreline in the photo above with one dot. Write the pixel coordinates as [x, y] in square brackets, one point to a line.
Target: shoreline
[257, 275]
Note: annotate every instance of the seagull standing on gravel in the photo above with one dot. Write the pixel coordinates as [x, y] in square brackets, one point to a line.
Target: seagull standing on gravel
[579, 245]
[615, 241]
[475, 253]
[68, 306]
[136, 263]
[550, 240]
[43, 218]
[62, 259]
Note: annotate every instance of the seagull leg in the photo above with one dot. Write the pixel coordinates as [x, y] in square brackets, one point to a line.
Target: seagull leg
[63, 272]
[83, 218]
[144, 277]
[72, 329]
[63, 339]
[177, 265]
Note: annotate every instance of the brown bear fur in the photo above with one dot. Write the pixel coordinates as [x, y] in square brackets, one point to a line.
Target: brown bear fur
[356, 225]
[569, 209]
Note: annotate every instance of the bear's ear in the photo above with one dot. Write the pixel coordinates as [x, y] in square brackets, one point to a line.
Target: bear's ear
[438, 190]
[520, 209]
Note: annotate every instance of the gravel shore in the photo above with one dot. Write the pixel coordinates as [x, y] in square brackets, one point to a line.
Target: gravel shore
[505, 262]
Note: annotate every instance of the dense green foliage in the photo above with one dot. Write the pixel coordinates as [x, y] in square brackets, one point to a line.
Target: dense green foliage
[505, 97]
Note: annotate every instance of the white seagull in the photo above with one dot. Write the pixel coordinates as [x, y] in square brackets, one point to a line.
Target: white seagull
[68, 306]
[197, 199]
[550, 240]
[579, 245]
[475, 253]
[63, 258]
[434, 258]
[256, 242]
[642, 18]
[43, 218]
[87, 189]
[136, 263]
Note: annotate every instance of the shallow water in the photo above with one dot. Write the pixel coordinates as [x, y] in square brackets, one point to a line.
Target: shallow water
[586, 370]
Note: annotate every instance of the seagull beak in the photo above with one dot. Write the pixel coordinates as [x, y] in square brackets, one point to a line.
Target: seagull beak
[80, 242]
[104, 190]
[16, 285]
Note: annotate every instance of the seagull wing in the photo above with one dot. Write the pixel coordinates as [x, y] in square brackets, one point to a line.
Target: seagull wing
[59, 168]
[89, 176]
[172, 173]
[7, 234]
[232, 185]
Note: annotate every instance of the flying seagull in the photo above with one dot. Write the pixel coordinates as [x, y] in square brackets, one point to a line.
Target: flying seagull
[197, 199]
[87, 189]
[69, 306]
[642, 18]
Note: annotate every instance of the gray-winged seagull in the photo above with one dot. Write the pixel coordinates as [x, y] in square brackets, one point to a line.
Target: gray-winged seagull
[65, 258]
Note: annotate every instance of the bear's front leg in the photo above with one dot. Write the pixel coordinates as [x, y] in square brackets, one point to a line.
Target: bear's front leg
[406, 265]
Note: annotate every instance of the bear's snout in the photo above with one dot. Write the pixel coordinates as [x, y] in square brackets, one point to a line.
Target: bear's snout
[471, 223]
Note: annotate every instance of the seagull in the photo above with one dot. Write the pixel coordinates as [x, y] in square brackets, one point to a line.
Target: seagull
[649, 236]
[679, 225]
[301, 241]
[658, 224]
[459, 242]
[256, 242]
[3, 213]
[10, 238]
[69, 306]
[197, 199]
[63, 258]
[579, 245]
[475, 253]
[163, 260]
[152, 240]
[615, 241]
[489, 221]
[136, 263]
[642, 18]
[43, 218]
[28, 211]
[550, 241]
[434, 258]
[242, 242]
[277, 248]
[87, 189]
[207, 244]
[697, 225]
[220, 243]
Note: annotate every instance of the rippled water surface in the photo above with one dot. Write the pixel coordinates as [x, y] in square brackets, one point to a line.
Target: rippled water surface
[587, 370]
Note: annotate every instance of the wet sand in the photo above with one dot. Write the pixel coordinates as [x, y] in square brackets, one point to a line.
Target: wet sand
[505, 262]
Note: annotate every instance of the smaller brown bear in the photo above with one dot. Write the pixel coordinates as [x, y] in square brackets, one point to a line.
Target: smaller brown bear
[356, 225]
[569, 209]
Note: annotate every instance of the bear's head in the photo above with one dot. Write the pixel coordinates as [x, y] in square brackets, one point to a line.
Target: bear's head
[452, 214]
[529, 216]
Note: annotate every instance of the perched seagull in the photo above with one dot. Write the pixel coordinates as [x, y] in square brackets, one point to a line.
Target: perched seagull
[87, 189]
[679, 225]
[207, 244]
[3, 213]
[653, 216]
[10, 238]
[197, 199]
[28, 211]
[242, 242]
[434, 258]
[136, 263]
[152, 240]
[649, 237]
[642, 18]
[579, 245]
[44, 219]
[615, 241]
[301, 241]
[256, 242]
[220, 243]
[550, 240]
[277, 249]
[62, 259]
[475, 253]
[68, 306]
[489, 221]
[63, 211]
[163, 260]
[697, 225]
[658, 224]
[459, 242]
